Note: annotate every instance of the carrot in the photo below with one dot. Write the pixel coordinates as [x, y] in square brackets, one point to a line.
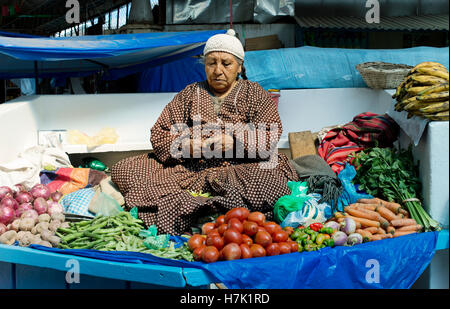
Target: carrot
[372, 207]
[415, 228]
[360, 214]
[339, 215]
[386, 213]
[369, 201]
[375, 230]
[381, 231]
[394, 207]
[404, 212]
[390, 229]
[403, 222]
[397, 233]
[365, 222]
[383, 222]
[371, 230]
[384, 236]
[375, 237]
[365, 234]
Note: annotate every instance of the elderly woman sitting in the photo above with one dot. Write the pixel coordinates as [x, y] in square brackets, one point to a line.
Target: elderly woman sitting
[217, 136]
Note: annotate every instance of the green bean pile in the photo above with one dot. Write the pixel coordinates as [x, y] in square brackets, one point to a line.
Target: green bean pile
[114, 233]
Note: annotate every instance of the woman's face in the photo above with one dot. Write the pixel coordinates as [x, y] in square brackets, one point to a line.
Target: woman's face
[221, 71]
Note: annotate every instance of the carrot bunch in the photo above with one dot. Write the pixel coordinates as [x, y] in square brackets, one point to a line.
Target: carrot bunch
[377, 219]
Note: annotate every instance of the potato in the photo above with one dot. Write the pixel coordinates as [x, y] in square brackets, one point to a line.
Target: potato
[26, 224]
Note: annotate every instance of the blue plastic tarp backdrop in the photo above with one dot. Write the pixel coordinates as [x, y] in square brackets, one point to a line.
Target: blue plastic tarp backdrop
[293, 68]
[390, 263]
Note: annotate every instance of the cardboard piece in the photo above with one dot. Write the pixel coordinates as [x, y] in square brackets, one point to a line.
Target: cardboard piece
[302, 144]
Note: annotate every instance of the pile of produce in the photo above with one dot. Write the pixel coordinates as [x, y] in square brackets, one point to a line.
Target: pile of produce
[424, 92]
[240, 234]
[392, 175]
[114, 233]
[314, 237]
[377, 219]
[30, 217]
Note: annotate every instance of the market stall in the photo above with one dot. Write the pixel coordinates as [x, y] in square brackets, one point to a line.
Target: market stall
[368, 232]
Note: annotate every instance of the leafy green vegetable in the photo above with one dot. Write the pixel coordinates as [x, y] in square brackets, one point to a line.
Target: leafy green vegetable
[391, 174]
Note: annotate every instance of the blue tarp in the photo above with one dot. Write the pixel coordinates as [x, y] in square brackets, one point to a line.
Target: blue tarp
[118, 55]
[390, 263]
[294, 68]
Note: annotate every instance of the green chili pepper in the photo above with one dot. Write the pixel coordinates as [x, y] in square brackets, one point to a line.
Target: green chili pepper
[307, 242]
[300, 248]
[296, 234]
[314, 236]
[321, 246]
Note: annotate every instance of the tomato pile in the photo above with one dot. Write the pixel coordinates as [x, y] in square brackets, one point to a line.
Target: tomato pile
[241, 234]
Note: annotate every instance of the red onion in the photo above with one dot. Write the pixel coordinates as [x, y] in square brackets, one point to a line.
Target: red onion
[24, 197]
[56, 196]
[6, 214]
[40, 205]
[30, 213]
[40, 190]
[22, 208]
[18, 188]
[3, 228]
[5, 191]
[54, 207]
[9, 201]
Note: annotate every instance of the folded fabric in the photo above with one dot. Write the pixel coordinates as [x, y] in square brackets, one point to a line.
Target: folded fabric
[26, 168]
[68, 180]
[366, 130]
[78, 201]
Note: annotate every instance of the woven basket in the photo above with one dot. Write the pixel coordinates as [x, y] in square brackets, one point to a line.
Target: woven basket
[383, 75]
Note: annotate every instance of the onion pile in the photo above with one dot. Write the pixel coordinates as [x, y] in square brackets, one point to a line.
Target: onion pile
[18, 203]
[240, 234]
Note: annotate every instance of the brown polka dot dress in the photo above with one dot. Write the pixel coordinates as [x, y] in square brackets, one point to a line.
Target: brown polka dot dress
[157, 182]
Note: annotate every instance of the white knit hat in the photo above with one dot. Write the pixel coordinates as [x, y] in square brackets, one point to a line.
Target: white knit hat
[225, 43]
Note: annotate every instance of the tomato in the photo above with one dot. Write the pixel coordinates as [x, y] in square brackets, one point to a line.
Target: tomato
[260, 229]
[214, 231]
[210, 254]
[222, 228]
[250, 228]
[257, 250]
[207, 227]
[232, 235]
[234, 222]
[294, 245]
[247, 239]
[197, 253]
[196, 241]
[273, 249]
[271, 227]
[215, 240]
[220, 220]
[284, 247]
[232, 251]
[263, 238]
[246, 253]
[233, 213]
[280, 236]
[244, 213]
[257, 217]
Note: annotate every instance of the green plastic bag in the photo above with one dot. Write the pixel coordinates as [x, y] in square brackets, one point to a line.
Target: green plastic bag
[293, 202]
[106, 205]
[154, 241]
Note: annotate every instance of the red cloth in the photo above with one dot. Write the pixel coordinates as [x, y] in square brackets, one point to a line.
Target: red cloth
[365, 131]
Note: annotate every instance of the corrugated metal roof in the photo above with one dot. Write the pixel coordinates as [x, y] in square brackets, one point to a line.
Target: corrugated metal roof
[409, 23]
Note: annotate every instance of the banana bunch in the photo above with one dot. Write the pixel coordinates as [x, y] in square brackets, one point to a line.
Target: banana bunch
[424, 92]
[195, 194]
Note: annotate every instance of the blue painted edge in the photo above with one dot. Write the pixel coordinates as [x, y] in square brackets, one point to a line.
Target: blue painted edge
[442, 241]
[145, 273]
